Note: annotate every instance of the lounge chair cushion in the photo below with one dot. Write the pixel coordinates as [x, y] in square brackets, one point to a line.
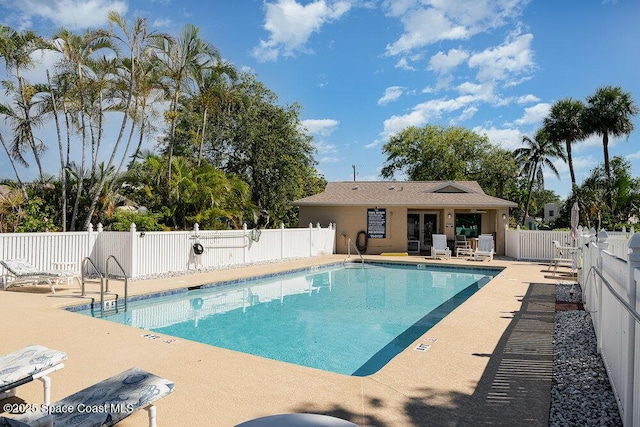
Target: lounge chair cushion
[105, 403]
[21, 267]
[25, 363]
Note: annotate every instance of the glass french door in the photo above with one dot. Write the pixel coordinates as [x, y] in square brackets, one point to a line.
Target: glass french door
[421, 226]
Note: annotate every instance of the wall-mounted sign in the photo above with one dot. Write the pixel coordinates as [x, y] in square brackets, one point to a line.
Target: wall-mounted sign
[376, 223]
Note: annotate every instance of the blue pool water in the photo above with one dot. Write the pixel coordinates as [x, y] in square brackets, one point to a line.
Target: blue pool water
[350, 320]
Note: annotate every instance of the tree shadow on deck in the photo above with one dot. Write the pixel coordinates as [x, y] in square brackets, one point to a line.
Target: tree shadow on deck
[515, 388]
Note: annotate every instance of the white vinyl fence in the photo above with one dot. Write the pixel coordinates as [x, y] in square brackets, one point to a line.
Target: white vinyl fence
[537, 245]
[146, 253]
[610, 283]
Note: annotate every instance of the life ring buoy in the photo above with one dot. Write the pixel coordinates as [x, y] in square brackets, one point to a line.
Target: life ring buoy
[198, 249]
[361, 241]
[197, 303]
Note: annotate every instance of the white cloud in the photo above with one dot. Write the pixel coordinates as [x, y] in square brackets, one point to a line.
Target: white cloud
[163, 23]
[68, 13]
[290, 25]
[429, 21]
[504, 62]
[507, 139]
[526, 99]
[391, 94]
[404, 64]
[535, 114]
[444, 62]
[467, 114]
[325, 148]
[373, 144]
[322, 127]
[424, 112]
[330, 159]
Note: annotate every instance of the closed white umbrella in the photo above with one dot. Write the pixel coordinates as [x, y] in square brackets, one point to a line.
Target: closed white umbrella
[575, 218]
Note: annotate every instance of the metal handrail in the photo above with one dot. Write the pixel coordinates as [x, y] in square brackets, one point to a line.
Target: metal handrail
[615, 294]
[349, 244]
[126, 281]
[82, 268]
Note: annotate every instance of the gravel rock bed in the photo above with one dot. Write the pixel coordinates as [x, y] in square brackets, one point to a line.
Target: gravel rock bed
[581, 393]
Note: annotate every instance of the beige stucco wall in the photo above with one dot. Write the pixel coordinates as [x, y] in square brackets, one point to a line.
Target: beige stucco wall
[350, 220]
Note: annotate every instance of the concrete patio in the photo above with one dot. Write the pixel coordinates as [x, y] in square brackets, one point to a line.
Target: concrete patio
[491, 364]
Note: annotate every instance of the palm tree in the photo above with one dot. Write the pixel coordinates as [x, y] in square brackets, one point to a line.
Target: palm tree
[212, 93]
[76, 77]
[137, 41]
[609, 112]
[13, 165]
[16, 49]
[20, 116]
[533, 158]
[181, 58]
[564, 124]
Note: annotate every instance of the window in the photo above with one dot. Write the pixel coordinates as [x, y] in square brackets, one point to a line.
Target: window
[468, 224]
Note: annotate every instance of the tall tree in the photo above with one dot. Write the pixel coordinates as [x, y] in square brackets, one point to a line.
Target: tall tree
[16, 49]
[564, 124]
[76, 76]
[449, 153]
[270, 151]
[181, 58]
[213, 85]
[608, 112]
[533, 158]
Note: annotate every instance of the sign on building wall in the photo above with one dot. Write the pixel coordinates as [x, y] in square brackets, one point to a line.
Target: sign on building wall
[376, 223]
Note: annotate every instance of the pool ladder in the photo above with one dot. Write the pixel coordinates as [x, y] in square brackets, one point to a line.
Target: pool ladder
[349, 244]
[104, 282]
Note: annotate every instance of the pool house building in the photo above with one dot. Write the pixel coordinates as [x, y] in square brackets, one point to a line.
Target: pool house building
[402, 216]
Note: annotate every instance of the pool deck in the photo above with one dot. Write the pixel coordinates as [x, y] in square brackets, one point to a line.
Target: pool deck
[491, 363]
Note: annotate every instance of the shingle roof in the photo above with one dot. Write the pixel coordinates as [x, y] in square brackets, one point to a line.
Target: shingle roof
[467, 194]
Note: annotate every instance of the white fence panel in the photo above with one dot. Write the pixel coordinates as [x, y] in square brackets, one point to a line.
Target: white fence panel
[147, 253]
[159, 252]
[611, 294]
[116, 243]
[534, 245]
[43, 250]
[267, 247]
[614, 328]
[297, 243]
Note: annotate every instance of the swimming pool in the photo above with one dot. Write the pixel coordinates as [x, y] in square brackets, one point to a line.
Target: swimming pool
[349, 319]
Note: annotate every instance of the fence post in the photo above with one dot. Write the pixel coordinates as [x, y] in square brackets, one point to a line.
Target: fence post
[310, 239]
[133, 260]
[634, 263]
[602, 246]
[246, 248]
[282, 240]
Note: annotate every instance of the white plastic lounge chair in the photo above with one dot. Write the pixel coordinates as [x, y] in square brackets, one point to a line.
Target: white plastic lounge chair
[113, 399]
[485, 247]
[562, 256]
[27, 364]
[440, 246]
[463, 246]
[21, 272]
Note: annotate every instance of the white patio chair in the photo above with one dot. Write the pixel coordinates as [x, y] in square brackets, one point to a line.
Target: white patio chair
[463, 246]
[21, 272]
[485, 247]
[440, 247]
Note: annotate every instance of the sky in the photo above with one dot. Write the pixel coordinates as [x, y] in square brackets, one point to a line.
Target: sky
[363, 70]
